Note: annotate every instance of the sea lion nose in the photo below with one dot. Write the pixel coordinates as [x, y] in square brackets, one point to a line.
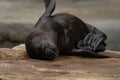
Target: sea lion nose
[49, 54]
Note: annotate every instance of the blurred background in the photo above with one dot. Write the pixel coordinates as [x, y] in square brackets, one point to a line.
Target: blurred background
[18, 17]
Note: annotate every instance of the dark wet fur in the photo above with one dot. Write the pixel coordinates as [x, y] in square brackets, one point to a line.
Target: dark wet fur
[58, 34]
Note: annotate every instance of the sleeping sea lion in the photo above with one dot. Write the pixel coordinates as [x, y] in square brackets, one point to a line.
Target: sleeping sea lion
[63, 33]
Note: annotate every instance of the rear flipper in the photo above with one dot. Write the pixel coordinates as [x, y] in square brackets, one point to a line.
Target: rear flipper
[88, 53]
[47, 2]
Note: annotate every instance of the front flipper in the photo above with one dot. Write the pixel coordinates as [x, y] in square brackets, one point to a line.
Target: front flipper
[91, 44]
[87, 53]
[93, 41]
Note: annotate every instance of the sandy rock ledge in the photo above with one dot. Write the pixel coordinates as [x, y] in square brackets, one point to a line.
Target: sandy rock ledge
[16, 65]
[17, 52]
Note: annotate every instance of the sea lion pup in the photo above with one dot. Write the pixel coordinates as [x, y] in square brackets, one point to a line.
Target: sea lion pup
[63, 33]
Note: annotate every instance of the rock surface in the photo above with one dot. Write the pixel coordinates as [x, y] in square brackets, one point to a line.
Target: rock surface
[16, 65]
[15, 53]
[12, 34]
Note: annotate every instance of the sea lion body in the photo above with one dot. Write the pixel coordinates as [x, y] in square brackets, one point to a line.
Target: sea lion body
[62, 33]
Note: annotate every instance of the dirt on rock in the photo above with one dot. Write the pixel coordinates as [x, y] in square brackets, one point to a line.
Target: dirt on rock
[62, 68]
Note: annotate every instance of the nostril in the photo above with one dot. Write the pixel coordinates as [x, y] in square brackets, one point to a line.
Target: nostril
[50, 54]
[55, 50]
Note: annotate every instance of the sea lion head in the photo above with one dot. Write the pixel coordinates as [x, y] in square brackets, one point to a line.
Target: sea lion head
[42, 45]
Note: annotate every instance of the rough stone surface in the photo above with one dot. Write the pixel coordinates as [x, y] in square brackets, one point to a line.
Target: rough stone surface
[17, 52]
[12, 34]
[15, 65]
